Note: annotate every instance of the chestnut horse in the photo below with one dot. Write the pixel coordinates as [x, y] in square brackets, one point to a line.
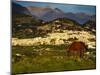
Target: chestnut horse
[77, 49]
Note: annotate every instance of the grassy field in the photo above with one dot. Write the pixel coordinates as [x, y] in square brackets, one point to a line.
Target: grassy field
[46, 58]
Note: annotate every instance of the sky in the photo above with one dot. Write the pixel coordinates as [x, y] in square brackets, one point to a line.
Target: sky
[64, 7]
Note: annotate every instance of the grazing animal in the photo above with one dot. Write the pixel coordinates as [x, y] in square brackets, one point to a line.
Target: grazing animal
[76, 50]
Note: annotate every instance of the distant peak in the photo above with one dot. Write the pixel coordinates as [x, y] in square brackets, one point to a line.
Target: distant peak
[58, 10]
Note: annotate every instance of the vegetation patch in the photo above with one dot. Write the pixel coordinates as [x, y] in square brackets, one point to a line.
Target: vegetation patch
[46, 58]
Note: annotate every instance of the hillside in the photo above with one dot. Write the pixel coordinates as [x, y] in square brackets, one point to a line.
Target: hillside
[90, 26]
[31, 26]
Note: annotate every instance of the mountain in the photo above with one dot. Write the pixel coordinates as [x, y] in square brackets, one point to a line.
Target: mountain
[45, 13]
[20, 15]
[52, 14]
[18, 9]
[48, 14]
[81, 18]
[38, 11]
